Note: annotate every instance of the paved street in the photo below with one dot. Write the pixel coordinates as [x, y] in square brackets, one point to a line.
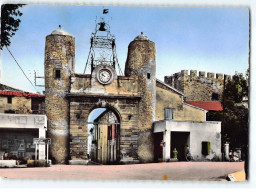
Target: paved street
[208, 171]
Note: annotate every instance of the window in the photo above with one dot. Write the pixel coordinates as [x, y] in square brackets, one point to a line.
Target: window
[57, 74]
[206, 148]
[9, 100]
[168, 114]
[148, 75]
[215, 96]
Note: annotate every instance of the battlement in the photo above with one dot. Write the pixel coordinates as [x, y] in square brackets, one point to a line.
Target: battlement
[175, 79]
[198, 85]
[201, 74]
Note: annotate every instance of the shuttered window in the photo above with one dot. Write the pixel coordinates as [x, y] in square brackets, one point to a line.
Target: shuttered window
[168, 114]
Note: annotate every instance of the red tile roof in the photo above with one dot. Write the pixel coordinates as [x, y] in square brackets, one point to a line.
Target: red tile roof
[206, 105]
[20, 94]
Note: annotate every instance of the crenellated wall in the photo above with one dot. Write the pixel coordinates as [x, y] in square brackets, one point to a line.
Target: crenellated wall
[200, 87]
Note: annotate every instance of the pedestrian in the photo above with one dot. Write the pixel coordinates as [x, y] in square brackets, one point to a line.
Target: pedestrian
[231, 155]
[90, 138]
[5, 156]
[188, 150]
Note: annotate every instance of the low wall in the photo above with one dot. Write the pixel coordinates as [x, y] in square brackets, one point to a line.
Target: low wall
[7, 163]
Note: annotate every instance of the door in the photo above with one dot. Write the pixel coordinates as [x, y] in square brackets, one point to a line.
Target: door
[158, 157]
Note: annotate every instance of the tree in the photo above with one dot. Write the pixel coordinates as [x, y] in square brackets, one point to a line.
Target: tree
[9, 22]
[235, 124]
[234, 117]
[235, 114]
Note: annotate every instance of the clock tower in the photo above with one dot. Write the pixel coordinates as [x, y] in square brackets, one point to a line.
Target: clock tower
[102, 58]
[71, 98]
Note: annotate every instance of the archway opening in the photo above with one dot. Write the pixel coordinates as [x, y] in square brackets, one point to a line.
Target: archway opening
[103, 130]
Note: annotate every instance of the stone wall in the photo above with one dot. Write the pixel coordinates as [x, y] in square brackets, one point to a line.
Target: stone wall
[124, 108]
[86, 84]
[167, 98]
[59, 56]
[141, 62]
[19, 105]
[198, 87]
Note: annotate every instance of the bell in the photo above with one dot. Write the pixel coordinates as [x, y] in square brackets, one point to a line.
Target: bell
[102, 26]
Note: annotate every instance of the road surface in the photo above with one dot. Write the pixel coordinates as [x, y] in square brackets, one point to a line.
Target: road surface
[200, 171]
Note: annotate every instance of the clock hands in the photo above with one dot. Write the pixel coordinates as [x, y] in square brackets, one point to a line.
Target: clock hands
[104, 76]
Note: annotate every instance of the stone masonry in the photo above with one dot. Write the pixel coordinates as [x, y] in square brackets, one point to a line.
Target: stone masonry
[59, 64]
[141, 62]
[198, 87]
[71, 97]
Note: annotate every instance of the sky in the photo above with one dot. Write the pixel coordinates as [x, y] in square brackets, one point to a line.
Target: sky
[203, 39]
[93, 115]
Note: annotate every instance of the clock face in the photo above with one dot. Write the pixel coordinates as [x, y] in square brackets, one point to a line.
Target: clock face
[105, 76]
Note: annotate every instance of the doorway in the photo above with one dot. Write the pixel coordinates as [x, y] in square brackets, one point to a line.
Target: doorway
[18, 143]
[158, 157]
[180, 141]
[104, 136]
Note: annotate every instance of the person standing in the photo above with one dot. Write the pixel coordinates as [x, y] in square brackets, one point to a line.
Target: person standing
[90, 137]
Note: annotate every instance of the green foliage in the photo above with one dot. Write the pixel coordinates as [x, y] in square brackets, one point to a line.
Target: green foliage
[235, 90]
[235, 114]
[9, 22]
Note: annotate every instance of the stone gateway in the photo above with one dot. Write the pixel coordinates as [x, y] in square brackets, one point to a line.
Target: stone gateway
[140, 102]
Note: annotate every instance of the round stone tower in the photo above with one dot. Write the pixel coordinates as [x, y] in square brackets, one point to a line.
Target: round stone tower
[141, 63]
[59, 65]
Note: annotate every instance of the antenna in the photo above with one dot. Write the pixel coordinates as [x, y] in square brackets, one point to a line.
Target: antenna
[37, 77]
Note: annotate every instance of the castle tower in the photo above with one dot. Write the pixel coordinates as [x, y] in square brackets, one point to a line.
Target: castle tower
[59, 65]
[141, 63]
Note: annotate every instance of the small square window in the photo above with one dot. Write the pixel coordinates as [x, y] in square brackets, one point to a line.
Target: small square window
[9, 100]
[57, 74]
[148, 75]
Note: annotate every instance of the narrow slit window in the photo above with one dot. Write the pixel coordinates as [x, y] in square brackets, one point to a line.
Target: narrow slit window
[148, 75]
[57, 74]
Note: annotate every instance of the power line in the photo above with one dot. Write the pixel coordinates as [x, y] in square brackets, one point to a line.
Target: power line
[21, 68]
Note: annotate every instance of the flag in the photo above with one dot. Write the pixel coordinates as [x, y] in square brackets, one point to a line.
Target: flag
[105, 11]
